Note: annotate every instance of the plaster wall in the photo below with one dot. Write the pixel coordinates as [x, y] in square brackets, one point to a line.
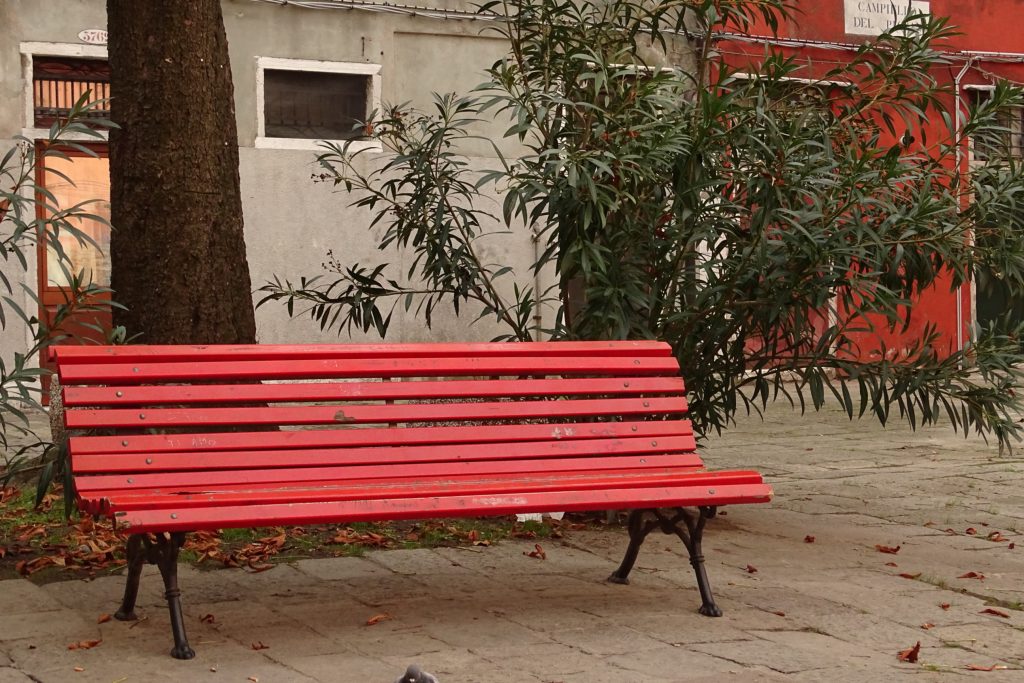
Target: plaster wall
[290, 221]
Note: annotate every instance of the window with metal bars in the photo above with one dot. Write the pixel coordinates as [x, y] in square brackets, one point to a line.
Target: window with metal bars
[315, 105]
[58, 82]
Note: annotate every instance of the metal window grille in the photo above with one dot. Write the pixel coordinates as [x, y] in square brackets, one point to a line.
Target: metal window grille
[58, 82]
[315, 105]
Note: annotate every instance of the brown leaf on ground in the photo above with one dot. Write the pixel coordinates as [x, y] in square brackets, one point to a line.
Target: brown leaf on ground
[972, 575]
[927, 625]
[996, 612]
[910, 654]
[891, 564]
[103, 618]
[751, 569]
[84, 644]
[1012, 546]
[78, 669]
[970, 531]
[259, 645]
[808, 539]
[537, 552]
[377, 618]
[944, 605]
[254, 568]
[994, 667]
[208, 619]
[905, 575]
[890, 549]
[997, 537]
[779, 613]
[253, 679]
[951, 532]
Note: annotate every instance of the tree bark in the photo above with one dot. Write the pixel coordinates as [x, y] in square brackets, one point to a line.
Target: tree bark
[177, 248]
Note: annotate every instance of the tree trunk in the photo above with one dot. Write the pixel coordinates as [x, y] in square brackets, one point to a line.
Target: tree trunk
[177, 248]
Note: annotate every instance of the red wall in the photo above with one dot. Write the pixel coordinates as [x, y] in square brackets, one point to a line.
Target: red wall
[983, 26]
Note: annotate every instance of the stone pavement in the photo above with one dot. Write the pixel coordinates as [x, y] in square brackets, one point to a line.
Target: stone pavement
[835, 609]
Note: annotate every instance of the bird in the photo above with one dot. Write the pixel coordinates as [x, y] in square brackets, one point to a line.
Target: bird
[414, 674]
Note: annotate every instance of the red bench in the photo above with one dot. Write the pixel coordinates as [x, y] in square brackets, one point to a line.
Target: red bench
[181, 438]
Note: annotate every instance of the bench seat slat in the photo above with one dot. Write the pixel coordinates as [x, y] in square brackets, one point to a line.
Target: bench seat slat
[69, 355]
[368, 391]
[188, 519]
[112, 463]
[375, 436]
[440, 486]
[86, 485]
[370, 414]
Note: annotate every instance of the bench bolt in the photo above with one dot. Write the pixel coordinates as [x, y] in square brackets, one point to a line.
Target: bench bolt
[142, 416]
[119, 394]
[124, 443]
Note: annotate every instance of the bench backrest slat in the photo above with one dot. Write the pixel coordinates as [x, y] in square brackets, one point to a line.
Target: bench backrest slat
[368, 391]
[71, 355]
[335, 368]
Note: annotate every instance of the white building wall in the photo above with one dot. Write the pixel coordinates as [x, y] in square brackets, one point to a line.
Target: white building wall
[290, 221]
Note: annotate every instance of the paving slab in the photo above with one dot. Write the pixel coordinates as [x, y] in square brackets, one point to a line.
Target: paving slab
[835, 609]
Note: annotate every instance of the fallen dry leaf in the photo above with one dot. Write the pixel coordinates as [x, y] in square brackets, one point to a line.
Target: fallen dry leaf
[910, 654]
[905, 575]
[808, 539]
[951, 532]
[891, 564]
[970, 531]
[84, 644]
[1012, 546]
[997, 537]
[751, 569]
[890, 549]
[377, 618]
[996, 612]
[779, 613]
[972, 575]
[78, 669]
[253, 679]
[927, 625]
[994, 667]
[208, 619]
[944, 605]
[259, 645]
[537, 552]
[103, 618]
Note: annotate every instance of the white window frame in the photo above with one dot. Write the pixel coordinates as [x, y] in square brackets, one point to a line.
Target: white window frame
[284, 64]
[29, 51]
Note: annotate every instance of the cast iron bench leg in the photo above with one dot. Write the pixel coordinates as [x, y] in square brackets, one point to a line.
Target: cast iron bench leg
[691, 537]
[162, 550]
[136, 559]
[167, 547]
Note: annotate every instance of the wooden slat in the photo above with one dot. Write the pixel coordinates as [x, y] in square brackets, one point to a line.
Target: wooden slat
[74, 354]
[367, 391]
[408, 436]
[140, 373]
[363, 414]
[496, 468]
[113, 463]
[170, 519]
[339, 491]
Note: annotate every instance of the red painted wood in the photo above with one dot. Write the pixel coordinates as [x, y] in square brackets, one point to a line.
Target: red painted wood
[68, 354]
[306, 475]
[407, 436]
[463, 486]
[111, 463]
[439, 506]
[145, 418]
[367, 391]
[139, 373]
